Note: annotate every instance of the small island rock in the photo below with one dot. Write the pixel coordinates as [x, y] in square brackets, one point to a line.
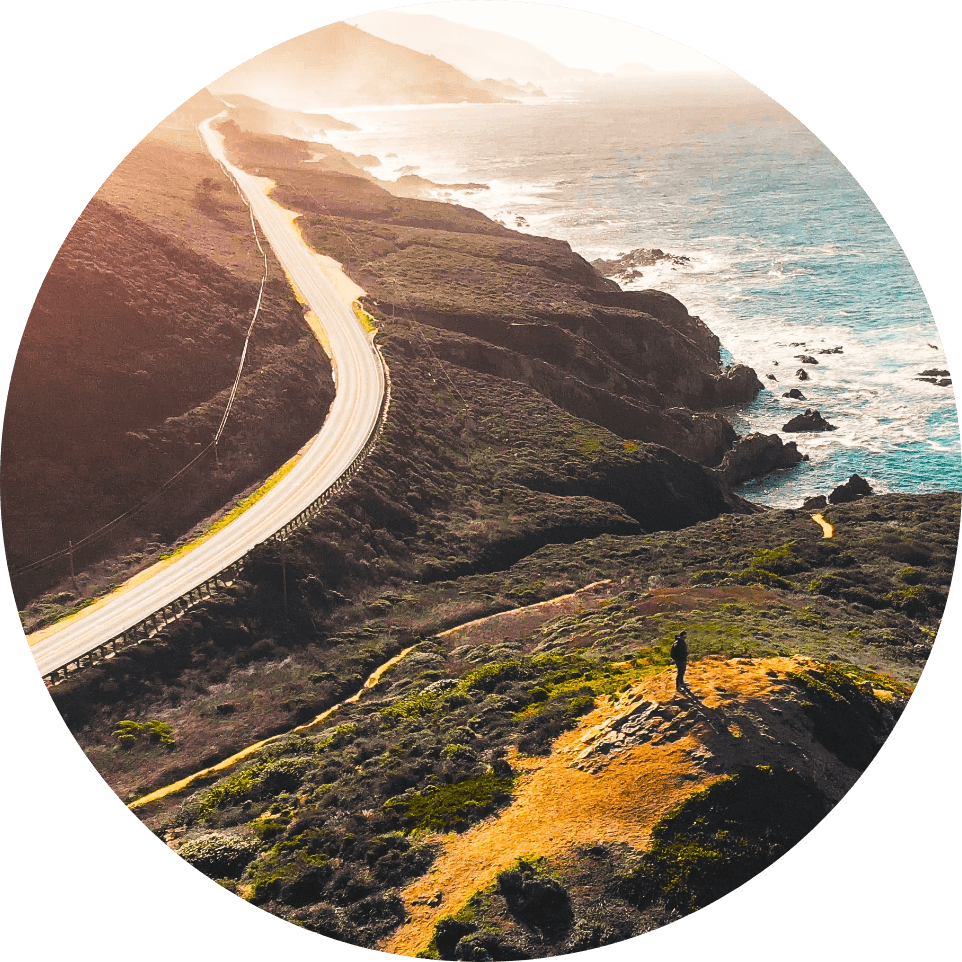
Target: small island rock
[794, 393]
[856, 487]
[809, 421]
[756, 455]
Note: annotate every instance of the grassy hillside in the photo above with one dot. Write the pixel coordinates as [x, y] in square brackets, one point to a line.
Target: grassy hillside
[443, 722]
[127, 358]
[803, 652]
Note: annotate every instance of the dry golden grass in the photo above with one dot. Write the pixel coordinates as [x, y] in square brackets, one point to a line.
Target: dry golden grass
[558, 806]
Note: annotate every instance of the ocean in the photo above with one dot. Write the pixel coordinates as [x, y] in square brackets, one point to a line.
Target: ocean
[787, 254]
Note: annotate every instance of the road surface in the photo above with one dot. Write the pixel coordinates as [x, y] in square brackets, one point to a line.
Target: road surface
[351, 420]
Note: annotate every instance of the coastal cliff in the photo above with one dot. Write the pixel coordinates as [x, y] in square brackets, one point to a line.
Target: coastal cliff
[523, 308]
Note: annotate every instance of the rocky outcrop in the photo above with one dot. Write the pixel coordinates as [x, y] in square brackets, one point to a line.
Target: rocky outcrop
[526, 308]
[809, 421]
[756, 455]
[806, 359]
[626, 267]
[801, 374]
[700, 436]
[935, 376]
[856, 487]
[794, 393]
[815, 503]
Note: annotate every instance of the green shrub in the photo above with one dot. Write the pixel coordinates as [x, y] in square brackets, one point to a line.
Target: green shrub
[129, 732]
[723, 835]
[258, 781]
[219, 854]
[443, 808]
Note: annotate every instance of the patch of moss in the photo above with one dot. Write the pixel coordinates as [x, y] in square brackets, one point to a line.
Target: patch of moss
[259, 781]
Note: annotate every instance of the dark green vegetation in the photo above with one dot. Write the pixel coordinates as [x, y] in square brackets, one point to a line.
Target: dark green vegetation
[515, 466]
[330, 824]
[126, 363]
[717, 839]
[524, 309]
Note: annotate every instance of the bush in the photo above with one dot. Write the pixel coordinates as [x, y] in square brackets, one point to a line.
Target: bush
[129, 732]
[536, 899]
[443, 808]
[723, 835]
[219, 854]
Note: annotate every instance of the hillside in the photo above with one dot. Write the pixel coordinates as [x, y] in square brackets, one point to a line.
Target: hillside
[521, 308]
[443, 720]
[496, 726]
[341, 66]
[149, 300]
[479, 53]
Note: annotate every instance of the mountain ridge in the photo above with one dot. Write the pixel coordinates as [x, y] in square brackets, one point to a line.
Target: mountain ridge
[342, 66]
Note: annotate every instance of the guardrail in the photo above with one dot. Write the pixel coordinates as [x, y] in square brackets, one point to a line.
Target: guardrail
[153, 624]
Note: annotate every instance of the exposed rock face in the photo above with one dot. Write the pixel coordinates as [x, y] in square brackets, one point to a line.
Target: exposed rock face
[809, 421]
[830, 350]
[815, 503]
[526, 308]
[801, 374]
[806, 358]
[794, 393]
[756, 455]
[856, 487]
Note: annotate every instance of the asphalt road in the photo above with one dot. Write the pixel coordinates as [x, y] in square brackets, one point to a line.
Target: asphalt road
[351, 420]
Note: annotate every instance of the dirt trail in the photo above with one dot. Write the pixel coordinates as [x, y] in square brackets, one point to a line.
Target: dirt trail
[512, 624]
[230, 762]
[601, 785]
[514, 621]
[828, 530]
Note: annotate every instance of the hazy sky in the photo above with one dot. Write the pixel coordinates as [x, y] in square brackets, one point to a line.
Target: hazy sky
[574, 37]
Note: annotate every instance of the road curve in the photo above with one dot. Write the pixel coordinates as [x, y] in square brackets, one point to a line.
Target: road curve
[350, 422]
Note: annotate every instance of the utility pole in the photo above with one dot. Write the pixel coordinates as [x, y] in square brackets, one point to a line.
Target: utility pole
[284, 573]
[73, 574]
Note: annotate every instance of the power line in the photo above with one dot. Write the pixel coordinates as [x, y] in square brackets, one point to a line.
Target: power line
[103, 529]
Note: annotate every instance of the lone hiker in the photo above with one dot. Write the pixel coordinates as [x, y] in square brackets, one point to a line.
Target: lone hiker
[679, 655]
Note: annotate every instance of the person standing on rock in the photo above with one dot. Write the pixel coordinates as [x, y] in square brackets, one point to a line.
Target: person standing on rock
[679, 655]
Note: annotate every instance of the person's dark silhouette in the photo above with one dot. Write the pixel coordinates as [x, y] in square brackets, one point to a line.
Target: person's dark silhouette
[679, 655]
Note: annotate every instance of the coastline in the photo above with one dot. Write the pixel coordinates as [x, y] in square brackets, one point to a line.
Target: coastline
[768, 303]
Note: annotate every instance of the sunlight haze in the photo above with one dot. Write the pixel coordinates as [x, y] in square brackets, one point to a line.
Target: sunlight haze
[575, 37]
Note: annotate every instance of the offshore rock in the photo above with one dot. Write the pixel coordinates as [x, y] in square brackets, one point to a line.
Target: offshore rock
[856, 487]
[794, 393]
[809, 421]
[756, 455]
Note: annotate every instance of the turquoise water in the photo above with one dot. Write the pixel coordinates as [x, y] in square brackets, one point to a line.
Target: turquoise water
[788, 254]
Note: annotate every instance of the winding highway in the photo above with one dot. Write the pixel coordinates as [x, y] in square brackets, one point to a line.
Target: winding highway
[351, 421]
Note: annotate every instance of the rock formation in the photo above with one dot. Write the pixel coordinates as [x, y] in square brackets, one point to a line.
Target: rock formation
[756, 455]
[809, 421]
[856, 487]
